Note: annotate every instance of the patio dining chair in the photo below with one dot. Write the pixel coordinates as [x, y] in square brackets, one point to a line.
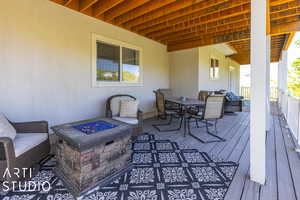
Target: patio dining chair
[164, 113]
[213, 111]
[168, 93]
[202, 95]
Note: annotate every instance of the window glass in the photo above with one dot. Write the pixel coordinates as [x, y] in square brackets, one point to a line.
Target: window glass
[108, 62]
[131, 65]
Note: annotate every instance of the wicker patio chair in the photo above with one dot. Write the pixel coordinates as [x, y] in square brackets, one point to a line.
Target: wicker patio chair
[213, 111]
[164, 113]
[113, 111]
[28, 148]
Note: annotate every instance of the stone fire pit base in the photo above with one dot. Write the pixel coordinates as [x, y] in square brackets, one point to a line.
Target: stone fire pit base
[86, 161]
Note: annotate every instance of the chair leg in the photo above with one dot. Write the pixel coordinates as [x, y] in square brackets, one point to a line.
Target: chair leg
[216, 130]
[197, 124]
[207, 129]
[167, 124]
[189, 125]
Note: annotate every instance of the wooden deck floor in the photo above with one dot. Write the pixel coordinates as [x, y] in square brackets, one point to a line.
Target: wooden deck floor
[283, 163]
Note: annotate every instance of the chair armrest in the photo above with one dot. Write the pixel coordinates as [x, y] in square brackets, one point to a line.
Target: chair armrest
[7, 151]
[31, 127]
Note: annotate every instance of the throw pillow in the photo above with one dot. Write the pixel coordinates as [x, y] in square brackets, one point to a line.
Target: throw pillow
[6, 129]
[129, 108]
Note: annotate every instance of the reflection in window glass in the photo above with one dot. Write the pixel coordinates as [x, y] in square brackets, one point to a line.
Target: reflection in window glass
[108, 62]
[131, 65]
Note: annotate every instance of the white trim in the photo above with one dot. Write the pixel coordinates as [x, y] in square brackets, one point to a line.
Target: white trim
[95, 83]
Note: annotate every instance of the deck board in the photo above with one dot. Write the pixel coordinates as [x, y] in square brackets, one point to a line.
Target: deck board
[270, 190]
[283, 163]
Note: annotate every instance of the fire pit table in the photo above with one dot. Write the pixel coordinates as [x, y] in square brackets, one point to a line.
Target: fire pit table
[92, 152]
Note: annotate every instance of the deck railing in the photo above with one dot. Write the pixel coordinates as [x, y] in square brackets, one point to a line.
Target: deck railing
[245, 92]
[290, 107]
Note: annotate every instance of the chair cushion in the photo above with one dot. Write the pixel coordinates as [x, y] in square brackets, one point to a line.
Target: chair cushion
[129, 108]
[6, 129]
[26, 141]
[230, 96]
[127, 120]
[115, 104]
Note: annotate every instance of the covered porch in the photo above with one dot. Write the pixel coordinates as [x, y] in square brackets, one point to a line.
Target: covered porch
[63, 61]
[283, 173]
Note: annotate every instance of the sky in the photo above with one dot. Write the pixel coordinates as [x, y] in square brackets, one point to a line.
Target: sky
[293, 54]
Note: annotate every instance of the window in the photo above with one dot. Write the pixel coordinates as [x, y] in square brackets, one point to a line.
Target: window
[115, 63]
[214, 69]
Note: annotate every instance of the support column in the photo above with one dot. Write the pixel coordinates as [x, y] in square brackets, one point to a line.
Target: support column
[259, 73]
[279, 75]
[284, 58]
[268, 109]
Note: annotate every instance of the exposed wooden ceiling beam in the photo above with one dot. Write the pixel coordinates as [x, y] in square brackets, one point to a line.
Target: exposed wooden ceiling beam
[286, 28]
[233, 36]
[278, 2]
[288, 41]
[201, 25]
[139, 11]
[189, 12]
[209, 40]
[178, 5]
[104, 5]
[192, 11]
[243, 49]
[193, 23]
[67, 2]
[268, 18]
[198, 31]
[122, 8]
[85, 4]
[198, 19]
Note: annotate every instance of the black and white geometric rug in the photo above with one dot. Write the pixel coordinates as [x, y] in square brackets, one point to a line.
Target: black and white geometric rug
[161, 171]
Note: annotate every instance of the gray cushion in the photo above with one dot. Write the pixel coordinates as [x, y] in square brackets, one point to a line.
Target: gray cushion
[26, 141]
[127, 120]
[6, 129]
[115, 104]
[129, 108]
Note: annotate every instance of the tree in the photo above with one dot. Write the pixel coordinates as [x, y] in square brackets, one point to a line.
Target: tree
[297, 43]
[294, 75]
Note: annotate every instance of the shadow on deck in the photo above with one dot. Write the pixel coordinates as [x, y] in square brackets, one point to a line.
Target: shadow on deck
[283, 163]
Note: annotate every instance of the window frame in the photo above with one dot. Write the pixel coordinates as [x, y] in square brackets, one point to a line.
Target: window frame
[95, 82]
[210, 67]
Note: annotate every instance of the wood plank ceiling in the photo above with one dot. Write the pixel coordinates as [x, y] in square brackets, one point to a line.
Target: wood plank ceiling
[183, 24]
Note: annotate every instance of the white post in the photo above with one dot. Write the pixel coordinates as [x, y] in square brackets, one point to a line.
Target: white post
[259, 75]
[268, 109]
[279, 79]
[284, 58]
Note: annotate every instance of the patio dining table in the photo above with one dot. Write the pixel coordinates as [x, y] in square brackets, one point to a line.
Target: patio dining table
[185, 104]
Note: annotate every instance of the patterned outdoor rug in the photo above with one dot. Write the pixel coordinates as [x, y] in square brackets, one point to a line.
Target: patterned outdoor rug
[161, 172]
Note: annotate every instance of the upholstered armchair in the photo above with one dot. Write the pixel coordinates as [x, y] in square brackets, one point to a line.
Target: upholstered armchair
[28, 148]
[113, 111]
